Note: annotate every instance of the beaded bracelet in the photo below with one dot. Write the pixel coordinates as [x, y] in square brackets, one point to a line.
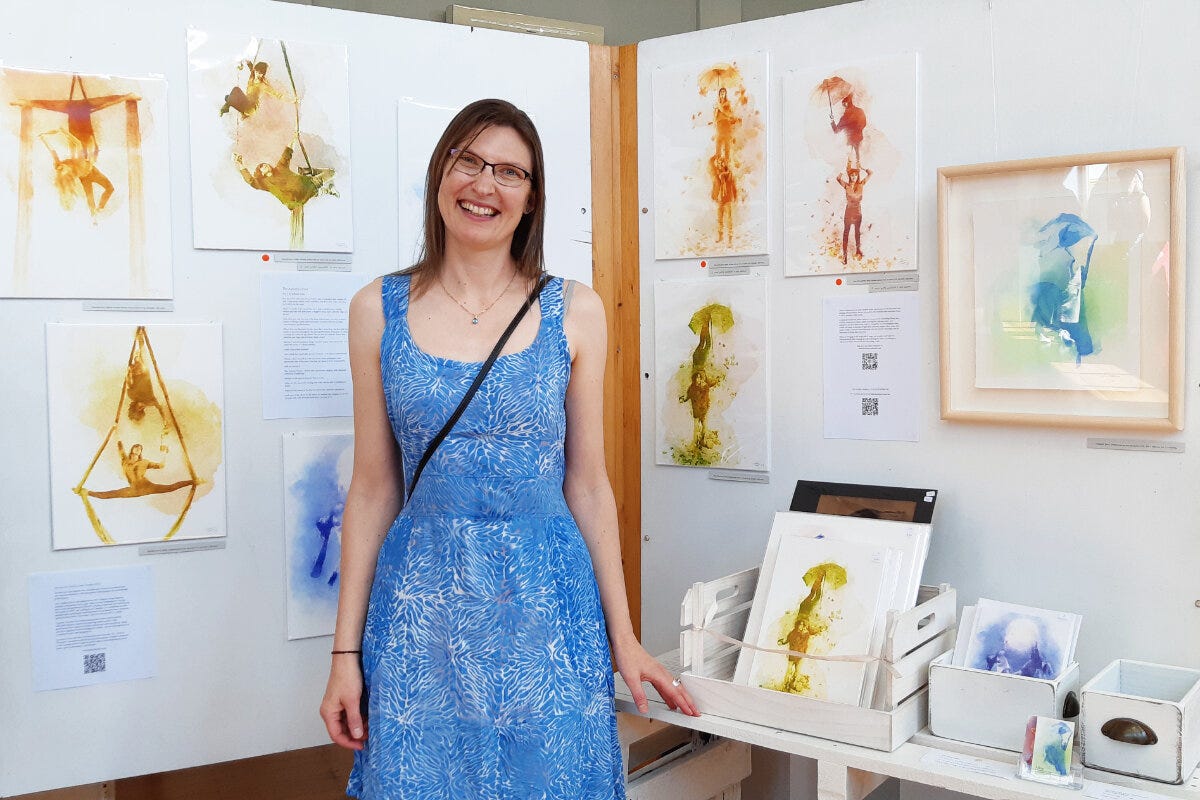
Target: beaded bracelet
[344, 652]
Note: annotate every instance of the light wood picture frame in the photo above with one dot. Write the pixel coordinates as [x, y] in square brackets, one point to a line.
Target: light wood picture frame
[1062, 290]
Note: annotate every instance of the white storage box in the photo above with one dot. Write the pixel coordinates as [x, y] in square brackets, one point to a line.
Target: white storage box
[1160, 699]
[991, 708]
[914, 638]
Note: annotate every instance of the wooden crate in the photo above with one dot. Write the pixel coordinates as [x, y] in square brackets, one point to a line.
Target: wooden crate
[1164, 699]
[914, 639]
[991, 708]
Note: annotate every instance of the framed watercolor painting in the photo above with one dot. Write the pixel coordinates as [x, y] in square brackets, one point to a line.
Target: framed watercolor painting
[1062, 290]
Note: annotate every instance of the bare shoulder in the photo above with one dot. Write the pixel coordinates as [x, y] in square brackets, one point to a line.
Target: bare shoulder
[586, 310]
[584, 321]
[366, 308]
[368, 299]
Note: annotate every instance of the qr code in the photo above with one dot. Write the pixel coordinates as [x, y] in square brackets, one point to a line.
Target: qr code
[870, 406]
[870, 360]
[93, 662]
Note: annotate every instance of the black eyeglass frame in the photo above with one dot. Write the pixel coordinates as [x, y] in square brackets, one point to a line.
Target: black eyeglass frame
[457, 153]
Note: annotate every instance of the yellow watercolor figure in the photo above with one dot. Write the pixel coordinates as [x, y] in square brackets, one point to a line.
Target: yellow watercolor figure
[143, 389]
[292, 187]
[699, 377]
[805, 624]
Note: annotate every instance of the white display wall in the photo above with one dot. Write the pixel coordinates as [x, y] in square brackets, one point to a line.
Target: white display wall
[229, 684]
[1025, 514]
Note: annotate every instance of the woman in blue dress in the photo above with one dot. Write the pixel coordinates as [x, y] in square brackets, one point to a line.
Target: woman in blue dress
[471, 655]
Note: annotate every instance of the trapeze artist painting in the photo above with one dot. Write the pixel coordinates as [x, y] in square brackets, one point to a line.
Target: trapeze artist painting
[850, 168]
[270, 131]
[136, 420]
[710, 158]
[316, 475]
[710, 356]
[85, 205]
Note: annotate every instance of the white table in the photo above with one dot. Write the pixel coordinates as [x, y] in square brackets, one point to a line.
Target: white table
[849, 772]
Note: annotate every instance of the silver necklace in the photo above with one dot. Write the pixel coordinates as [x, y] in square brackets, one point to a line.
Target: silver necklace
[475, 315]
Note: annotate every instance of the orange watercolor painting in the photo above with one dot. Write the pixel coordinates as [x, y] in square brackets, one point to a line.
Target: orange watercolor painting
[710, 159]
[850, 169]
[83, 203]
[136, 426]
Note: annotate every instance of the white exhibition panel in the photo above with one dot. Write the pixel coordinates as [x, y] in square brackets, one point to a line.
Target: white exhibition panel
[230, 685]
[1025, 514]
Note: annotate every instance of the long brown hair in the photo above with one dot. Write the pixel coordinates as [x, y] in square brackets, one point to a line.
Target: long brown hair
[473, 120]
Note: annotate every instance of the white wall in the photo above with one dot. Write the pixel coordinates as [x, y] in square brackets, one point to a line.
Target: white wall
[229, 684]
[1025, 514]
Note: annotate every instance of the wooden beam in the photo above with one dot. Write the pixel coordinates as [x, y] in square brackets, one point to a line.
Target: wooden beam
[615, 279]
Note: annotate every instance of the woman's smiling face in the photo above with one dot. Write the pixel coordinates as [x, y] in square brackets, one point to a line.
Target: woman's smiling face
[479, 213]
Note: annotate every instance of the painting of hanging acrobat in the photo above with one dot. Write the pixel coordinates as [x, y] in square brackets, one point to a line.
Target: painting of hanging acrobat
[84, 203]
[270, 136]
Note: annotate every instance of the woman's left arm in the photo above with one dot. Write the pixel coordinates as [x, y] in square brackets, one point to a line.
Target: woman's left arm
[590, 498]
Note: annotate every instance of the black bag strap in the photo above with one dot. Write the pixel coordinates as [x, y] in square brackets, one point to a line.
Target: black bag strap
[479, 376]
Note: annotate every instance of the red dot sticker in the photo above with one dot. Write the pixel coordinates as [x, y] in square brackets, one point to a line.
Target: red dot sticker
[839, 281]
[704, 263]
[267, 257]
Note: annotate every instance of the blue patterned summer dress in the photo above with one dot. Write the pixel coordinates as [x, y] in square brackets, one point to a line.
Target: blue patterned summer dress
[485, 654]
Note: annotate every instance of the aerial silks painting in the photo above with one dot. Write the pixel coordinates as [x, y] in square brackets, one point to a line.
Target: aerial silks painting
[850, 168]
[136, 419]
[710, 166]
[270, 129]
[710, 364]
[316, 475]
[84, 203]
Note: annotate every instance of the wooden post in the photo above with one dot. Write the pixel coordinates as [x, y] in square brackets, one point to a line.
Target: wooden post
[615, 277]
[137, 201]
[24, 204]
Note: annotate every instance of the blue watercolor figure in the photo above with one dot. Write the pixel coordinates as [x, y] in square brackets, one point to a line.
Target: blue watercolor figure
[1017, 645]
[1059, 312]
[320, 496]
[1055, 754]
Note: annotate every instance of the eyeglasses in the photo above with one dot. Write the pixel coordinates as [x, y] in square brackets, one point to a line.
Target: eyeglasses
[468, 163]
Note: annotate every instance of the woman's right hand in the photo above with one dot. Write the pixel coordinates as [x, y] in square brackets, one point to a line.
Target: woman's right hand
[341, 708]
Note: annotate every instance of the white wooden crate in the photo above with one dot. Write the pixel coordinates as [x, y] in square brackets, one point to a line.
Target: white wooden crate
[914, 638]
[990, 708]
[1163, 699]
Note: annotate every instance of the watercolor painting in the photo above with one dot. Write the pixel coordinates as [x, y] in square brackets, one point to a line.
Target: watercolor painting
[85, 212]
[1052, 747]
[316, 475]
[1046, 753]
[1019, 640]
[818, 596]
[1060, 291]
[710, 162]
[850, 168]
[710, 365]
[136, 421]
[270, 131]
